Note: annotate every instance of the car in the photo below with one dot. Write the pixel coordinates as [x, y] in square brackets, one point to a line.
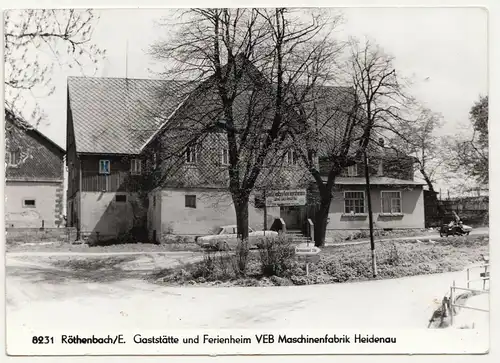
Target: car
[226, 238]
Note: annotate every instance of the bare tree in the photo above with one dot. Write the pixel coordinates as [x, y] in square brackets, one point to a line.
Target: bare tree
[35, 39]
[245, 62]
[418, 139]
[372, 101]
[470, 152]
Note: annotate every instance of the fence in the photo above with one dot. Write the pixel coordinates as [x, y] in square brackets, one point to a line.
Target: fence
[484, 278]
[37, 235]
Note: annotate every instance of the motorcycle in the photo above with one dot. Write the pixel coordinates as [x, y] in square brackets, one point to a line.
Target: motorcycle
[454, 230]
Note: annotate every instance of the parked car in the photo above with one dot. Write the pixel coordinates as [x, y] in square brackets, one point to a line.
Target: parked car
[226, 238]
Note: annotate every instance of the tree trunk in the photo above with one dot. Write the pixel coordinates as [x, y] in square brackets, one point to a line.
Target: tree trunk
[241, 209]
[321, 221]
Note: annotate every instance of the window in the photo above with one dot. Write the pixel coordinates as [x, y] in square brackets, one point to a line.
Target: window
[104, 166]
[155, 159]
[290, 158]
[391, 202]
[13, 158]
[354, 202]
[190, 201]
[315, 160]
[191, 155]
[352, 170]
[29, 203]
[135, 166]
[121, 198]
[225, 156]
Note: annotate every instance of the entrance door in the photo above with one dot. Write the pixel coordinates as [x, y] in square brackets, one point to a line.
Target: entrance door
[292, 217]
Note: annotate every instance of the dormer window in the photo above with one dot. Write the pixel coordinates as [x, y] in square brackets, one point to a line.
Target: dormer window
[191, 155]
[13, 158]
[352, 170]
[290, 158]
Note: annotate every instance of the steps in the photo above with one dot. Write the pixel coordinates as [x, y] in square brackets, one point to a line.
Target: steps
[298, 237]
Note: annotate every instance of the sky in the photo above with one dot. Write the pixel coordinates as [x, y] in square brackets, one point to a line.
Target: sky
[443, 51]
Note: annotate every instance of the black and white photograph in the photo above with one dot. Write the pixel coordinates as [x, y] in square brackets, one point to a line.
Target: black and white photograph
[273, 180]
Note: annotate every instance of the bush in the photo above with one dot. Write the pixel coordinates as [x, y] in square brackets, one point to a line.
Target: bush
[241, 258]
[276, 256]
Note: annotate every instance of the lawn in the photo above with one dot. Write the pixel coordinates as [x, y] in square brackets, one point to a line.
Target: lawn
[400, 258]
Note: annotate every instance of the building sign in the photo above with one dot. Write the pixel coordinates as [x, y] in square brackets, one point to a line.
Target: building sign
[279, 198]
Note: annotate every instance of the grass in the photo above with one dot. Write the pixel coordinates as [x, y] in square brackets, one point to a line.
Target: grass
[396, 259]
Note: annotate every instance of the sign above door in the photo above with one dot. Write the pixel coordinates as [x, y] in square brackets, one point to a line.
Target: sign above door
[282, 198]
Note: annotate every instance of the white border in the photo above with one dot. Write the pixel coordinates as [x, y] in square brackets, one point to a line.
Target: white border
[494, 61]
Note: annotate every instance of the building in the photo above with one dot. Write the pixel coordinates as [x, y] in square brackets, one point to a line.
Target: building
[124, 180]
[34, 187]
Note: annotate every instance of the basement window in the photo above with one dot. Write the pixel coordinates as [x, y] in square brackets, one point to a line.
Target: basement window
[29, 203]
[190, 201]
[121, 198]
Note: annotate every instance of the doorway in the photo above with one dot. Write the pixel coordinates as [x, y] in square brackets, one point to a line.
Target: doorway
[293, 216]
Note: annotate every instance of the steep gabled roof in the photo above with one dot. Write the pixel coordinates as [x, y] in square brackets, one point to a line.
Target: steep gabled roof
[117, 115]
[24, 125]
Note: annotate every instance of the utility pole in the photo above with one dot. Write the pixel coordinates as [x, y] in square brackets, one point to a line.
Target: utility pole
[370, 215]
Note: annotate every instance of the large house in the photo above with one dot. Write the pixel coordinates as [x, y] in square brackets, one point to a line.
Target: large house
[127, 175]
[34, 190]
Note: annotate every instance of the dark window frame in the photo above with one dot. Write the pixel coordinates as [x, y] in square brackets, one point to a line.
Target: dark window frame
[190, 201]
[29, 206]
[121, 196]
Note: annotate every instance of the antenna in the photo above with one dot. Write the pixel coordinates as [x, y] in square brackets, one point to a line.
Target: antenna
[126, 60]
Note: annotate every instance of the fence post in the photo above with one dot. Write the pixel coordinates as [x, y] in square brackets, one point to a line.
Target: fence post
[468, 278]
[311, 230]
[485, 276]
[452, 302]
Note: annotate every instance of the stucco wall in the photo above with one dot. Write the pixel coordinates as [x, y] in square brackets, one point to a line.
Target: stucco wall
[213, 209]
[412, 210]
[154, 215]
[48, 204]
[101, 213]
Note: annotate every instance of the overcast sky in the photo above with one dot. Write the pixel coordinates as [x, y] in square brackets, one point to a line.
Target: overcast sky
[444, 50]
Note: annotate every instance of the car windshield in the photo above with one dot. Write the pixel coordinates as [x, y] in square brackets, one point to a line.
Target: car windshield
[219, 230]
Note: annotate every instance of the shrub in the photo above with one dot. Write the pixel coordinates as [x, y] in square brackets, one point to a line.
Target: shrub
[276, 256]
[393, 258]
[241, 258]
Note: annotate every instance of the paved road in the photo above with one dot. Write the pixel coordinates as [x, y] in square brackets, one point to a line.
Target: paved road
[41, 295]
